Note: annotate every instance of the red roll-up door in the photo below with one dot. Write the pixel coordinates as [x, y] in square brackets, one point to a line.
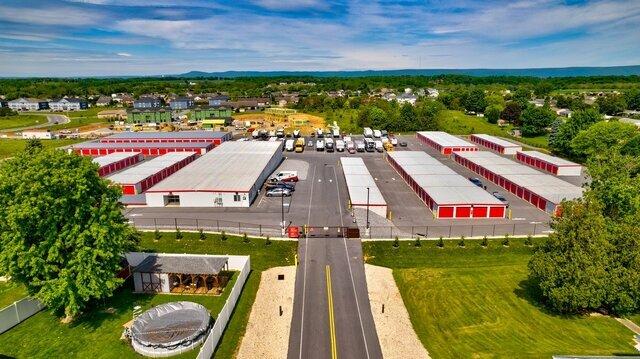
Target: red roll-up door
[479, 212]
[445, 212]
[463, 212]
[496, 212]
[446, 151]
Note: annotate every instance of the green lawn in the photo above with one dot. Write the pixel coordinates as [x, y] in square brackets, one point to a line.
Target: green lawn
[96, 334]
[18, 121]
[457, 123]
[477, 303]
[346, 120]
[9, 147]
[11, 292]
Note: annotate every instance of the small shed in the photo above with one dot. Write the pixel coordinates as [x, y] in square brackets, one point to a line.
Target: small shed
[181, 275]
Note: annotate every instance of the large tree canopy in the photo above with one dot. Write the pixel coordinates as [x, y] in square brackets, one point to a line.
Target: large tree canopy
[602, 136]
[62, 232]
[560, 139]
[535, 120]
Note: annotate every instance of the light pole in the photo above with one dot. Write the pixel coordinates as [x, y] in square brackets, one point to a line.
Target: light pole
[282, 210]
[367, 211]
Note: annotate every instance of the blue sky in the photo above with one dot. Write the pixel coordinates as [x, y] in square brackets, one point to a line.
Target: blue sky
[132, 37]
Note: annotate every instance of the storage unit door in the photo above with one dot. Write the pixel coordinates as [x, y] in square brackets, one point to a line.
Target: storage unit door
[445, 212]
[496, 212]
[479, 212]
[463, 212]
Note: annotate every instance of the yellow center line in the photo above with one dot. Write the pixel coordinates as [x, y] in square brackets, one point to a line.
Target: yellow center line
[332, 324]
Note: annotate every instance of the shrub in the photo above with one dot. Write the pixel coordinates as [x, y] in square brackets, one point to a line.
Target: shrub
[203, 235]
[268, 241]
[178, 233]
[528, 241]
[461, 243]
[440, 243]
[245, 238]
[157, 235]
[505, 241]
[223, 236]
[485, 242]
[417, 242]
[396, 242]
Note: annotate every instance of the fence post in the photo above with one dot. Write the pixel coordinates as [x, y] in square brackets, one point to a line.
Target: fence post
[494, 230]
[155, 223]
[412, 231]
[260, 229]
[514, 229]
[535, 226]
[391, 232]
[449, 232]
[426, 232]
[175, 223]
[197, 225]
[218, 224]
[471, 231]
[239, 228]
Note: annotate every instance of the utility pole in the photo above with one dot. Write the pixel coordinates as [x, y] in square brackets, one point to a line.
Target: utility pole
[367, 228]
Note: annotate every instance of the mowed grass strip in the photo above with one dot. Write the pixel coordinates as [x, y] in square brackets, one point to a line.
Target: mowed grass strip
[97, 332]
[11, 292]
[19, 121]
[477, 303]
[9, 147]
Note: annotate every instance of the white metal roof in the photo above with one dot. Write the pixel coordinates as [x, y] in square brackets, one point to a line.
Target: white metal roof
[441, 183]
[147, 169]
[560, 162]
[497, 140]
[232, 166]
[544, 185]
[113, 158]
[446, 140]
[358, 179]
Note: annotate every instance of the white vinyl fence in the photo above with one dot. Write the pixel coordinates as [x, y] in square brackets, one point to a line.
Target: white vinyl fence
[222, 320]
[17, 312]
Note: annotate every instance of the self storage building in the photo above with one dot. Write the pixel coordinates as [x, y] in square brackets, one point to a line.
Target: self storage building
[557, 166]
[496, 144]
[147, 149]
[540, 189]
[446, 193]
[116, 161]
[229, 176]
[138, 179]
[444, 142]
[168, 137]
[363, 190]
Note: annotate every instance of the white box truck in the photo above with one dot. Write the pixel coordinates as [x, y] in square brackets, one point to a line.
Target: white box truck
[368, 132]
[288, 145]
[377, 133]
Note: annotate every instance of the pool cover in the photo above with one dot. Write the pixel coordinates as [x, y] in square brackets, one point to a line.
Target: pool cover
[170, 327]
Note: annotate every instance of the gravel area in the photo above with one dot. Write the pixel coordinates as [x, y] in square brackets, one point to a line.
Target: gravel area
[397, 338]
[267, 334]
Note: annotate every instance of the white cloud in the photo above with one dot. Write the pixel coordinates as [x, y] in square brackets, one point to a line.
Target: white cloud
[59, 15]
[123, 54]
[292, 4]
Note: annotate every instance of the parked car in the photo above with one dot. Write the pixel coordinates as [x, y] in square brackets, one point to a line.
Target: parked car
[286, 185]
[384, 133]
[285, 176]
[320, 133]
[351, 147]
[289, 144]
[377, 133]
[278, 192]
[329, 144]
[379, 146]
[476, 181]
[394, 141]
[500, 197]
[319, 145]
[360, 147]
[296, 133]
[340, 145]
[367, 132]
[402, 144]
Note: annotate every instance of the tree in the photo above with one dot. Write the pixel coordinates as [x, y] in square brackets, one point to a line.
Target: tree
[408, 118]
[495, 99]
[511, 113]
[633, 99]
[543, 89]
[560, 140]
[571, 266]
[33, 145]
[600, 137]
[492, 113]
[522, 97]
[427, 113]
[535, 120]
[475, 100]
[611, 104]
[62, 234]
[632, 147]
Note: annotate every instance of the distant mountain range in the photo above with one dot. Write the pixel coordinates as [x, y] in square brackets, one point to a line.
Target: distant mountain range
[532, 72]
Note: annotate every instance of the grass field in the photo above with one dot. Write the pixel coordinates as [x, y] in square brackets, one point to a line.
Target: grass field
[477, 303]
[11, 292]
[9, 147]
[18, 121]
[80, 118]
[96, 334]
[457, 123]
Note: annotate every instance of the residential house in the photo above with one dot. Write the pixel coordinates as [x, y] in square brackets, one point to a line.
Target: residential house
[433, 93]
[389, 96]
[69, 104]
[117, 115]
[218, 100]
[538, 102]
[181, 103]
[122, 98]
[199, 114]
[103, 101]
[28, 104]
[407, 98]
[147, 102]
[565, 112]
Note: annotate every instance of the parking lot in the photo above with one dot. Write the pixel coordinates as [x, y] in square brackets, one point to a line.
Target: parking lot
[321, 199]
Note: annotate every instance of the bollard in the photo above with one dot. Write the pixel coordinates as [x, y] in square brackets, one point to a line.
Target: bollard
[280, 310]
[382, 308]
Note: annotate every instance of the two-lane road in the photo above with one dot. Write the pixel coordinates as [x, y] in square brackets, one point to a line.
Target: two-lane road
[331, 315]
